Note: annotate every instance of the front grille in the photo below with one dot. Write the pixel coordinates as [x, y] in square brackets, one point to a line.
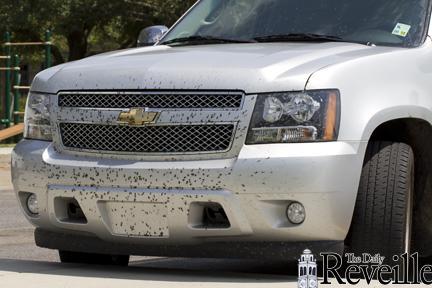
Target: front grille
[147, 139]
[151, 100]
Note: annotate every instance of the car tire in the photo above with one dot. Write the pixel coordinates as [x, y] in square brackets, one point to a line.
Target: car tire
[382, 218]
[96, 259]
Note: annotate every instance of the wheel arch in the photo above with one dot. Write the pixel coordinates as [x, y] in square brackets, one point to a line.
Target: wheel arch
[395, 113]
[412, 127]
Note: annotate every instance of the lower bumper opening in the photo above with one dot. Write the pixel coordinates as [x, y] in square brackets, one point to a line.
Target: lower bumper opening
[208, 216]
[68, 210]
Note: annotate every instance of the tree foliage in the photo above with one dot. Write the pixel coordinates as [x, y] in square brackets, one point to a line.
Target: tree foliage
[84, 27]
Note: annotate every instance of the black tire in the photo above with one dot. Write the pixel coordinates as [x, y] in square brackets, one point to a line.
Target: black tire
[383, 214]
[96, 259]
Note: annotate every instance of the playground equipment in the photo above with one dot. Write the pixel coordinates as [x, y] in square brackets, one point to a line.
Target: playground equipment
[13, 89]
[12, 131]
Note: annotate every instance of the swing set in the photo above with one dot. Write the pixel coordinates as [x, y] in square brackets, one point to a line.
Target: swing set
[13, 90]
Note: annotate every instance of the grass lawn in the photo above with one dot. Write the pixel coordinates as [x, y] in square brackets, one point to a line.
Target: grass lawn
[7, 145]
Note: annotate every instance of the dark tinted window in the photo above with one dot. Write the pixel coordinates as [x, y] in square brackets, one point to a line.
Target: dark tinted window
[383, 22]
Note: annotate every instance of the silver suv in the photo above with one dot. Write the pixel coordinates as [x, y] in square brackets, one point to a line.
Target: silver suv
[252, 128]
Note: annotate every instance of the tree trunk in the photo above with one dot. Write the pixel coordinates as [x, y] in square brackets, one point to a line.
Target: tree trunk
[58, 57]
[78, 44]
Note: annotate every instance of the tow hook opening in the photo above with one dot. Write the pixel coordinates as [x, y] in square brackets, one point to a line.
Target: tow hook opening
[75, 212]
[208, 216]
[68, 210]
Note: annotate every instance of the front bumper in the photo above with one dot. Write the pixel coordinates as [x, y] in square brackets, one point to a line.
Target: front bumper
[87, 243]
[148, 204]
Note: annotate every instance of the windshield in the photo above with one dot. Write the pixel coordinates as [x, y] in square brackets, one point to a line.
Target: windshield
[381, 22]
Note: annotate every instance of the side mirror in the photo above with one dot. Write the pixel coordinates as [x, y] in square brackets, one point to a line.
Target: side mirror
[151, 35]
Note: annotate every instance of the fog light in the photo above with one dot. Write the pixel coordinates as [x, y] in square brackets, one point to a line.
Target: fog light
[296, 213]
[32, 204]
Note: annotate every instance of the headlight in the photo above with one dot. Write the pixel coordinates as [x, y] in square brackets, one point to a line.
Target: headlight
[294, 117]
[37, 117]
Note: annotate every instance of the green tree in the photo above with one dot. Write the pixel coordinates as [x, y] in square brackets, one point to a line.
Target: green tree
[77, 19]
[84, 27]
[143, 13]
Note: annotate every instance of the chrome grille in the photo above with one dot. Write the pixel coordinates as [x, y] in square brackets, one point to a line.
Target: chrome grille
[151, 100]
[147, 139]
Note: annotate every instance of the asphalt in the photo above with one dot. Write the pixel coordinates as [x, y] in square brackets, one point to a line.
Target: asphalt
[22, 264]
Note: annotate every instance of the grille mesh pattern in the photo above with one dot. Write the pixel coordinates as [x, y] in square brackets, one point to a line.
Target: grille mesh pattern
[147, 139]
[132, 100]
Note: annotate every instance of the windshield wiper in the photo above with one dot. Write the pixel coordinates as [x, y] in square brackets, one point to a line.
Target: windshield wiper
[306, 37]
[195, 40]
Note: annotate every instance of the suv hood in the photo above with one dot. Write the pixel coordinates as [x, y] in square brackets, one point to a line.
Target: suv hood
[253, 68]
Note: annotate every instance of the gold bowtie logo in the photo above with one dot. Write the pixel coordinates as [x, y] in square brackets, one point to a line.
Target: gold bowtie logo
[138, 117]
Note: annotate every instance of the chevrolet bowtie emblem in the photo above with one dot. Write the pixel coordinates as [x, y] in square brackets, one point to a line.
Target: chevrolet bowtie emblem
[138, 117]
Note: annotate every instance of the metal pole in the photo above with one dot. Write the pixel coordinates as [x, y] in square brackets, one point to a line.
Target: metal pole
[8, 80]
[48, 61]
[2, 98]
[17, 93]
